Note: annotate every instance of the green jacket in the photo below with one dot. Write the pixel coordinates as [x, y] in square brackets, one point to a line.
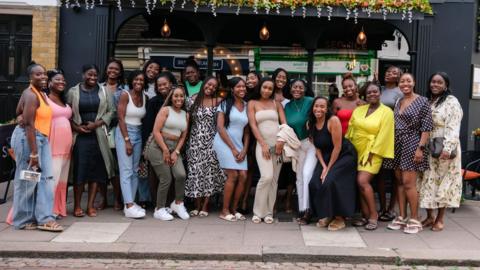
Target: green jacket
[106, 112]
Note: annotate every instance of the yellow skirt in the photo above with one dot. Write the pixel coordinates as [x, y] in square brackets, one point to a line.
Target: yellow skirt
[374, 168]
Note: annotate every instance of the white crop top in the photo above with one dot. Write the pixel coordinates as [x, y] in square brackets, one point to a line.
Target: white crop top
[134, 114]
[176, 122]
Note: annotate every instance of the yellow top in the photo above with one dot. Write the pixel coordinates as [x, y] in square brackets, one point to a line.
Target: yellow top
[43, 115]
[372, 134]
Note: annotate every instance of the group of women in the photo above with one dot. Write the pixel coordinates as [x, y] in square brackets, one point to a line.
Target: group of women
[152, 131]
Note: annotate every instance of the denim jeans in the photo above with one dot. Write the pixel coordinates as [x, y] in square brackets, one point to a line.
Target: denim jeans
[128, 165]
[32, 201]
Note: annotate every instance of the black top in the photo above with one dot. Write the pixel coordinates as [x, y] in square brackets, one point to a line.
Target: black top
[322, 139]
[88, 104]
[153, 107]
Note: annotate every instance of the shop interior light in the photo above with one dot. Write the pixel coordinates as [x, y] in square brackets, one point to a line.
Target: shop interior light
[165, 29]
[362, 38]
[264, 33]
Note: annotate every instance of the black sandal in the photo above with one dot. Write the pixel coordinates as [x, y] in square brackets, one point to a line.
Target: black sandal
[386, 216]
[360, 222]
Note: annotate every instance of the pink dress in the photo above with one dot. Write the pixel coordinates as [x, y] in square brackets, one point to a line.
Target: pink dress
[61, 145]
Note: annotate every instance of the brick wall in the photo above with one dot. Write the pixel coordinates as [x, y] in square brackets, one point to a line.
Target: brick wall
[45, 28]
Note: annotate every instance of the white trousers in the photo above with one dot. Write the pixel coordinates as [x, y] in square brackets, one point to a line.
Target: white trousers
[305, 167]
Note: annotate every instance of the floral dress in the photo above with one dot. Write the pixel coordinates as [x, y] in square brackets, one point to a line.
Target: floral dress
[204, 175]
[441, 184]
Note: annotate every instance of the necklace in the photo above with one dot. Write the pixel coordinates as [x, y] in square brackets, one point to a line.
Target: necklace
[296, 106]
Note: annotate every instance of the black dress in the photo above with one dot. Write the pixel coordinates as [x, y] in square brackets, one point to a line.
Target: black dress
[336, 195]
[88, 160]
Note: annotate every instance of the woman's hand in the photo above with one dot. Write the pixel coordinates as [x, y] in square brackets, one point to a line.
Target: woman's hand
[91, 125]
[166, 157]
[19, 121]
[369, 160]
[235, 153]
[266, 151]
[242, 155]
[83, 129]
[33, 163]
[323, 176]
[129, 148]
[445, 155]
[418, 156]
[279, 148]
[173, 158]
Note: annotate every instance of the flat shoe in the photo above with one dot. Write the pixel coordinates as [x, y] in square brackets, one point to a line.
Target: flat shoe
[79, 213]
[30, 226]
[359, 222]
[194, 213]
[50, 227]
[203, 214]
[268, 220]
[336, 225]
[91, 212]
[371, 225]
[256, 219]
[437, 227]
[228, 217]
[239, 216]
[323, 222]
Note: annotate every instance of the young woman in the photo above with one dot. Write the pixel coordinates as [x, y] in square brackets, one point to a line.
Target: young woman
[204, 175]
[297, 112]
[192, 78]
[413, 123]
[264, 116]
[343, 107]
[93, 162]
[33, 201]
[169, 133]
[231, 145]
[390, 95]
[441, 185]
[60, 139]
[252, 83]
[151, 69]
[128, 139]
[371, 131]
[113, 81]
[332, 186]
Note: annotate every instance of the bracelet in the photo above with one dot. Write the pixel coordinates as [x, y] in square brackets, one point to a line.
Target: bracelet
[34, 156]
[177, 152]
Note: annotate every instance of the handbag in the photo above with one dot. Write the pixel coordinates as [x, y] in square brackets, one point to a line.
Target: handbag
[436, 148]
[143, 168]
[110, 136]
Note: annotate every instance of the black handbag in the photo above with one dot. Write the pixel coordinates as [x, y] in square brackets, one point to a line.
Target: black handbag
[436, 148]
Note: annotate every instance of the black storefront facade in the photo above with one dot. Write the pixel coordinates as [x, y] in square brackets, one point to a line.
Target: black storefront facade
[443, 41]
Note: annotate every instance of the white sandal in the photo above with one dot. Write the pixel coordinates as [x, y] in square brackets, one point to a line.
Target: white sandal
[203, 214]
[413, 226]
[268, 219]
[194, 213]
[256, 220]
[397, 224]
[239, 216]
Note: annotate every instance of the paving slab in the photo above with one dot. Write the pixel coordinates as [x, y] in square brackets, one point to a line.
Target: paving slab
[460, 240]
[3, 226]
[472, 225]
[392, 239]
[273, 237]
[157, 234]
[92, 232]
[348, 237]
[250, 226]
[10, 234]
[440, 257]
[219, 235]
[151, 222]
[213, 219]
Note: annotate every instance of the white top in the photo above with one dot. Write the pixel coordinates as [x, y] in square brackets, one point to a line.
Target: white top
[134, 114]
[150, 92]
[176, 122]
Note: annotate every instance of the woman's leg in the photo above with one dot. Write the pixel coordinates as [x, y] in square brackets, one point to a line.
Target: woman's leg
[229, 187]
[410, 186]
[363, 180]
[400, 193]
[261, 207]
[438, 225]
[77, 198]
[92, 192]
[382, 196]
[239, 190]
[205, 203]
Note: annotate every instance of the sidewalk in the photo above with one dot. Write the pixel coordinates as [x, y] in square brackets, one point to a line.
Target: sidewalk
[111, 235]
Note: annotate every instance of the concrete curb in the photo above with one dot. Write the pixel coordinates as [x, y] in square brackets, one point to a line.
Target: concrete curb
[241, 253]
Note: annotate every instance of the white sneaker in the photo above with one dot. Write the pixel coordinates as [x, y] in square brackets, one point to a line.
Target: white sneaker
[180, 210]
[169, 210]
[138, 207]
[133, 212]
[162, 214]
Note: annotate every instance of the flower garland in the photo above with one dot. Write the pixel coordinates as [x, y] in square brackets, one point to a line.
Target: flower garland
[382, 7]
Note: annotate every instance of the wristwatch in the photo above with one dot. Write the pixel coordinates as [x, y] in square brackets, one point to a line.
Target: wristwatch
[126, 139]
[178, 152]
[421, 147]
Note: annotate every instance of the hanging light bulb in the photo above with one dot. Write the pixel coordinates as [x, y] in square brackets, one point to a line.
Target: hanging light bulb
[362, 38]
[264, 33]
[165, 30]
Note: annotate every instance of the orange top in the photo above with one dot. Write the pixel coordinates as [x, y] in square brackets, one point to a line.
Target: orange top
[43, 115]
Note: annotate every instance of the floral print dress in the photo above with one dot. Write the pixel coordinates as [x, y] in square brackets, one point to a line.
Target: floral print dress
[441, 184]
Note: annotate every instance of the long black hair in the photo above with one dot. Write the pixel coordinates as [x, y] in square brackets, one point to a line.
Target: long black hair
[148, 63]
[227, 104]
[286, 88]
[308, 91]
[200, 96]
[132, 77]
[312, 120]
[257, 95]
[251, 91]
[168, 99]
[445, 93]
[121, 75]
